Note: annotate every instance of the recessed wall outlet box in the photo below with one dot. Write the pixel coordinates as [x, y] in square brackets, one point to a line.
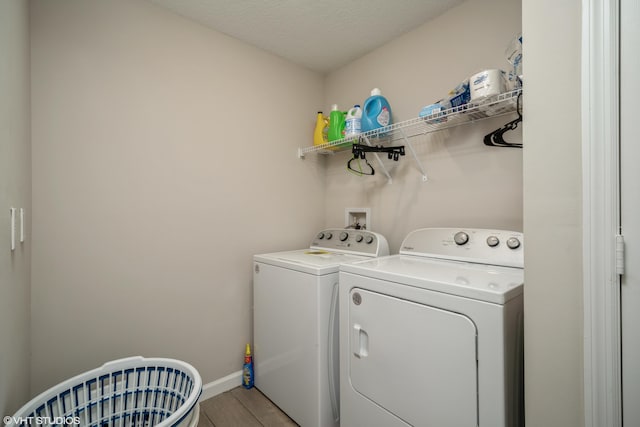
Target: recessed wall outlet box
[357, 218]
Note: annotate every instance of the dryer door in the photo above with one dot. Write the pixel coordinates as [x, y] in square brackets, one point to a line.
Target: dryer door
[416, 361]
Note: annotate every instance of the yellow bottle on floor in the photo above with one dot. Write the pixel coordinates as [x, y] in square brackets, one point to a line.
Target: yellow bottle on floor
[320, 133]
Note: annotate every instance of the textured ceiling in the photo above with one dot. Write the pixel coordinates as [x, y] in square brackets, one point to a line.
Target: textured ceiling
[322, 35]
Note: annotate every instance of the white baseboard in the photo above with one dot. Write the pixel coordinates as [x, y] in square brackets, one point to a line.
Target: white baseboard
[221, 385]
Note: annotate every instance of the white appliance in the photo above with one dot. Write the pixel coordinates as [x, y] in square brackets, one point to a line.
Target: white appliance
[295, 323]
[433, 336]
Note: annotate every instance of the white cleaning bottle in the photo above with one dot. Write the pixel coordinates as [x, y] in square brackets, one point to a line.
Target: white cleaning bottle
[353, 124]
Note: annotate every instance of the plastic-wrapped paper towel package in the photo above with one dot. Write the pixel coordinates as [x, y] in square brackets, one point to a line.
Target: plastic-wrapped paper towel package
[487, 83]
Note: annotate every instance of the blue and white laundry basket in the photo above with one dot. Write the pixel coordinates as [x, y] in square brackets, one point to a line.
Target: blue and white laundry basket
[135, 391]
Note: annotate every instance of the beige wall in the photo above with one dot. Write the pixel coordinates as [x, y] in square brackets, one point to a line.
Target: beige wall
[164, 157]
[552, 214]
[470, 185]
[15, 191]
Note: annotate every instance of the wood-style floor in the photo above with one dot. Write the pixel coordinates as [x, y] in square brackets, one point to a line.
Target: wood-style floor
[242, 408]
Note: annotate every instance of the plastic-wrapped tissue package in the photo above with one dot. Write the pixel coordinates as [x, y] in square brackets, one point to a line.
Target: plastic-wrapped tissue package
[433, 113]
[514, 57]
[457, 97]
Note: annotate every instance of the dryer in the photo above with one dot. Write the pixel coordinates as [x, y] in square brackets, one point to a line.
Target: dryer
[433, 336]
[295, 323]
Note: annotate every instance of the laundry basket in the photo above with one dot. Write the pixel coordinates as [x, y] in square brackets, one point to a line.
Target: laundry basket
[135, 391]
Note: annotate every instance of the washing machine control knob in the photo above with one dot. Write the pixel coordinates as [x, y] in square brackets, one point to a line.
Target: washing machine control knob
[329, 236]
[369, 240]
[321, 235]
[344, 236]
[513, 243]
[493, 241]
[359, 238]
[461, 238]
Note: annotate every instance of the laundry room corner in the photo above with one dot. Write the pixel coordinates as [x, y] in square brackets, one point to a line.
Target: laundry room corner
[469, 184]
[183, 194]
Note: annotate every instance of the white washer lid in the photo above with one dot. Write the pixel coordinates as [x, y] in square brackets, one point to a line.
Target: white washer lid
[311, 261]
[477, 281]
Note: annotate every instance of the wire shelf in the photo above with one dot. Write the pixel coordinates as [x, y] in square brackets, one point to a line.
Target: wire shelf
[499, 105]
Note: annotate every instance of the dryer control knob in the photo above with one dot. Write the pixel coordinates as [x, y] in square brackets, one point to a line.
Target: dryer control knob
[369, 240]
[344, 236]
[493, 241]
[359, 238]
[321, 235]
[461, 238]
[513, 242]
[329, 236]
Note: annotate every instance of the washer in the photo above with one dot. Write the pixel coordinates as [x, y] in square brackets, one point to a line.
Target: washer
[433, 336]
[295, 325]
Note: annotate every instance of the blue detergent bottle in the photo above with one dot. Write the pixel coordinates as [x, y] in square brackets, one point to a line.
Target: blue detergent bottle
[376, 112]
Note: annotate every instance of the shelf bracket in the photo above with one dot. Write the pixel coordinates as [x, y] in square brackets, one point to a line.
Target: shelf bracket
[384, 169]
[415, 156]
